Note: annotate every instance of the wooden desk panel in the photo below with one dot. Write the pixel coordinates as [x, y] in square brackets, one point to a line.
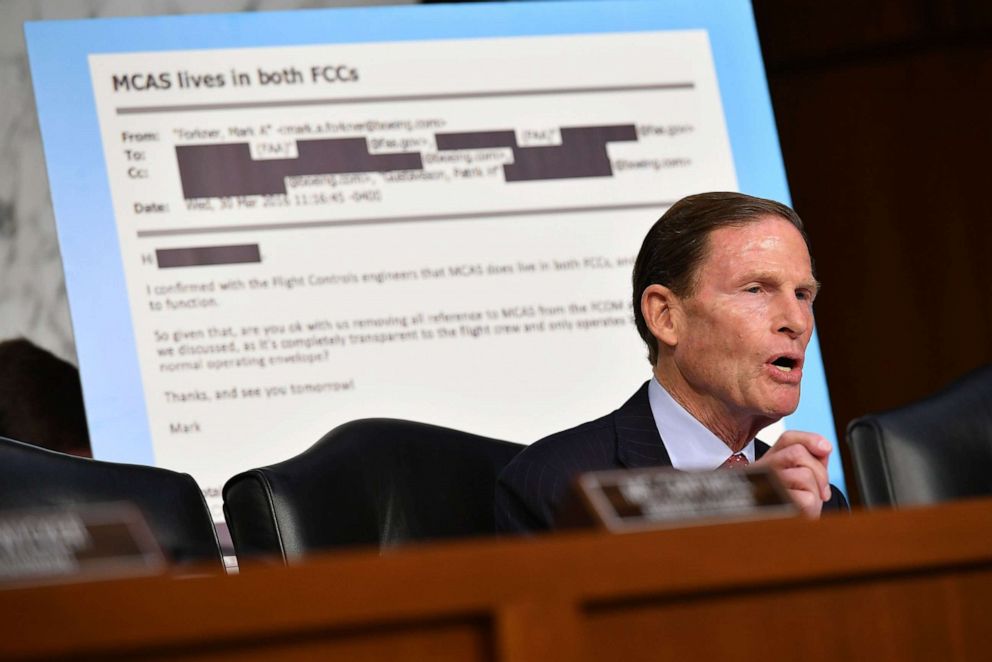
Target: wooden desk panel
[906, 585]
[904, 618]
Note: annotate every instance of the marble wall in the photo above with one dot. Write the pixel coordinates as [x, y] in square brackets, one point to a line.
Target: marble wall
[32, 288]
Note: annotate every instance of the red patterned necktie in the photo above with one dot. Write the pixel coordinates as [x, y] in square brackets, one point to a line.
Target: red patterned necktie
[735, 461]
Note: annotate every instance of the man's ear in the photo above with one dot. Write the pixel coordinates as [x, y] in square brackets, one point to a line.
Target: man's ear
[661, 308]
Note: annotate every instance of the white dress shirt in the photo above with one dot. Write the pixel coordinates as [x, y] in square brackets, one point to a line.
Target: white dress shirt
[690, 445]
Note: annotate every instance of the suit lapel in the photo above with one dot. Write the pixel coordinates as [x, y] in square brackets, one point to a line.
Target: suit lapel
[638, 441]
[760, 448]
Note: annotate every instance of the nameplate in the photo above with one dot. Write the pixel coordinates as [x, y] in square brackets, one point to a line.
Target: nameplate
[90, 541]
[659, 497]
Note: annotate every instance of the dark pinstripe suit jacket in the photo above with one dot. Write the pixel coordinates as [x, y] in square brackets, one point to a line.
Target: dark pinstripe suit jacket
[531, 488]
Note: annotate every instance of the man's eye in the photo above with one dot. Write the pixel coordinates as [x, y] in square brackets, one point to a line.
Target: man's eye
[754, 289]
[803, 295]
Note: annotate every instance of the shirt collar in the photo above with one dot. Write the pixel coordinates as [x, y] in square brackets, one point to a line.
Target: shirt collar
[690, 444]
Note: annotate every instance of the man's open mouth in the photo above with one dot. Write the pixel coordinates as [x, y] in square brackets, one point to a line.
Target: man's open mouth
[785, 364]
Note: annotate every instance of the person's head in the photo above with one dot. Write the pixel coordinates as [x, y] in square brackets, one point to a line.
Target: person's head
[41, 401]
[723, 287]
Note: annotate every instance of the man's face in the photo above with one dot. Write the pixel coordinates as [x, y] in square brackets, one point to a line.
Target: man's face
[742, 333]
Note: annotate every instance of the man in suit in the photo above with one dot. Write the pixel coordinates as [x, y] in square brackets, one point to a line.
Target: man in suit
[723, 294]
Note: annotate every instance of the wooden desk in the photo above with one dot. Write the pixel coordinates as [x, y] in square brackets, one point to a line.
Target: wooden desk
[909, 585]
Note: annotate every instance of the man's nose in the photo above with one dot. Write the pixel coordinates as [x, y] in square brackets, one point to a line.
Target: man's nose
[794, 316]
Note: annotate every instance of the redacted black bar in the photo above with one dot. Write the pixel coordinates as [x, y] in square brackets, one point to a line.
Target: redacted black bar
[228, 169]
[203, 256]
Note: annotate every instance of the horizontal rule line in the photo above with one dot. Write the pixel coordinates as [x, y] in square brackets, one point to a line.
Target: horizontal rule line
[196, 107]
[301, 225]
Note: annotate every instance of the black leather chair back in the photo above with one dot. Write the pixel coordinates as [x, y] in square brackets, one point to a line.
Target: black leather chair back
[172, 503]
[938, 449]
[368, 482]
